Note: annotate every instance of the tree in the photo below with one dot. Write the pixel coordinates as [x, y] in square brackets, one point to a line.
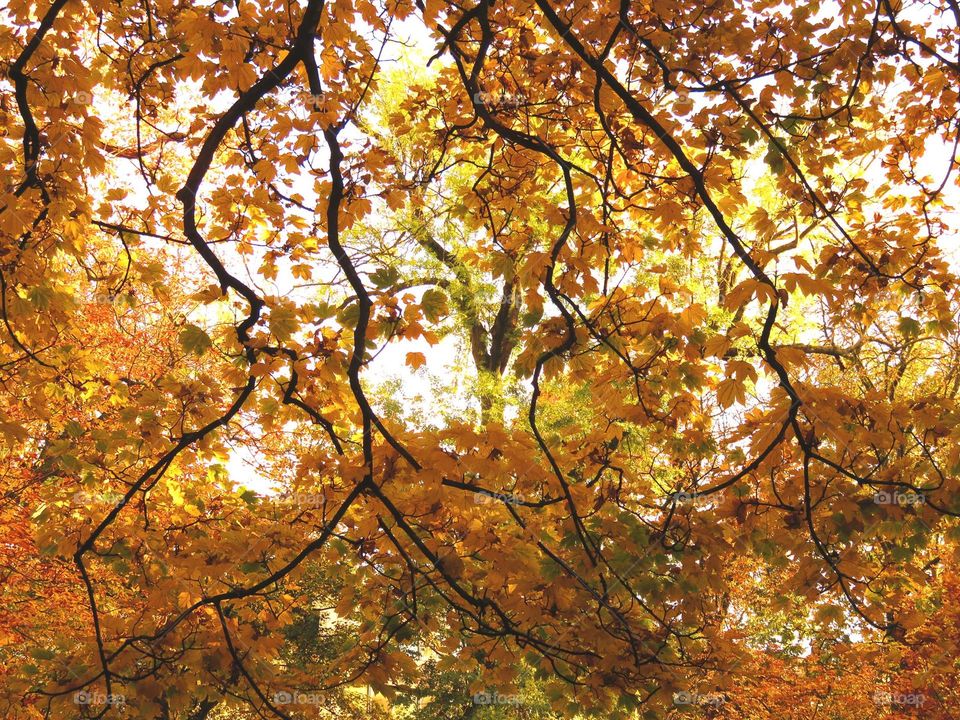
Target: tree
[696, 257]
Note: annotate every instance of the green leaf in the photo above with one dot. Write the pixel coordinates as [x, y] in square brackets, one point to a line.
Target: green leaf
[909, 327]
[774, 157]
[749, 135]
[349, 315]
[283, 322]
[790, 125]
[40, 296]
[194, 340]
[532, 317]
[434, 304]
[384, 277]
[42, 654]
[324, 311]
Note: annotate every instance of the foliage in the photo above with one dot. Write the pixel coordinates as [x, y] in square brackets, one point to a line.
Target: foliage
[517, 359]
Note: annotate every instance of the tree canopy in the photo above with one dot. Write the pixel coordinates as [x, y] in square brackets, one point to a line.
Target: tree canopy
[526, 359]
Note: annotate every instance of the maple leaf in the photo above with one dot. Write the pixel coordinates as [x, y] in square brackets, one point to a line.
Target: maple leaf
[416, 359]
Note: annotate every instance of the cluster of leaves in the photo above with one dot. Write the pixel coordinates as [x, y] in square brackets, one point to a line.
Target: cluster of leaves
[693, 257]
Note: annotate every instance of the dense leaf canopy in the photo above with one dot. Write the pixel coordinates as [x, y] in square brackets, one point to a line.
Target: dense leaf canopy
[370, 358]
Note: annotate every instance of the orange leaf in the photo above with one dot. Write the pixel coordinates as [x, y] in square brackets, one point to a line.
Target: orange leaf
[416, 359]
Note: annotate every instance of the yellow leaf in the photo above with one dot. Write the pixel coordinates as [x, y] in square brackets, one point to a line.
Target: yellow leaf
[12, 433]
[730, 391]
[716, 346]
[668, 285]
[175, 494]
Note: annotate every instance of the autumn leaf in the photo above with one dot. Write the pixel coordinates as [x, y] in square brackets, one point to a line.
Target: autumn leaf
[685, 281]
[194, 340]
[416, 360]
[434, 305]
